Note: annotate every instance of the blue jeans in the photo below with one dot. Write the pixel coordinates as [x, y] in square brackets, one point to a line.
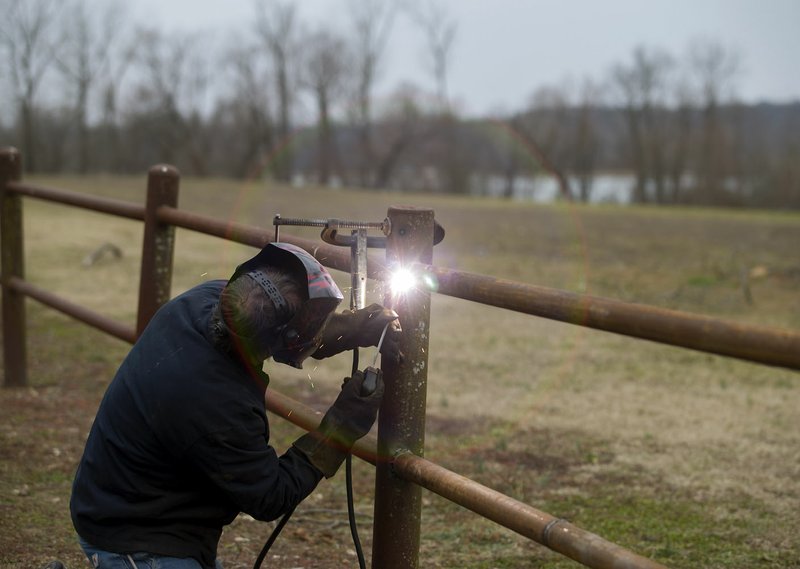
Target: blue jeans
[101, 559]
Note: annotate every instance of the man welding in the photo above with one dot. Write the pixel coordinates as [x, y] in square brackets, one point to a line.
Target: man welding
[180, 443]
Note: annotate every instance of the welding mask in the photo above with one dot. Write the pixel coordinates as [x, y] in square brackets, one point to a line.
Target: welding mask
[298, 333]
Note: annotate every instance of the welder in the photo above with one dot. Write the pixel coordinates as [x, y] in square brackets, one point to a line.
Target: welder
[180, 444]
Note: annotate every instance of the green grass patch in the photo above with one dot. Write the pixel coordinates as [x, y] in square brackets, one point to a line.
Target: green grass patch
[675, 531]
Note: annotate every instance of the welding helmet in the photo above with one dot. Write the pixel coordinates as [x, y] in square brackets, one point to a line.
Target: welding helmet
[297, 334]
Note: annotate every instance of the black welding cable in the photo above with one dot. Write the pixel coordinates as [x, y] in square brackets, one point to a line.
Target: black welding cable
[351, 512]
[272, 537]
[348, 472]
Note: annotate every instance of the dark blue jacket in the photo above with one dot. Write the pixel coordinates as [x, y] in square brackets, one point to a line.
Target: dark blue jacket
[180, 444]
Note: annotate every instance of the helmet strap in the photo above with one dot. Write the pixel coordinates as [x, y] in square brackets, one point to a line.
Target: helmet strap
[278, 301]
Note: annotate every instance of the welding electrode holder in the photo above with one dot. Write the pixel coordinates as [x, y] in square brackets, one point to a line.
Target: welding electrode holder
[372, 376]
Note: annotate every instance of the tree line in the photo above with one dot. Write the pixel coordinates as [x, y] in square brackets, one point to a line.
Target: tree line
[95, 91]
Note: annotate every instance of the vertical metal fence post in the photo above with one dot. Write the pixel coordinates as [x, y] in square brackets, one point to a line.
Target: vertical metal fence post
[401, 425]
[13, 265]
[158, 244]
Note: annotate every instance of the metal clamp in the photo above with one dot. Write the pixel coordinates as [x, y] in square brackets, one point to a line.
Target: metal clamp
[330, 229]
[358, 241]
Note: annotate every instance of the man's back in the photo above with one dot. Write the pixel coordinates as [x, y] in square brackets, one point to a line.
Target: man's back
[162, 470]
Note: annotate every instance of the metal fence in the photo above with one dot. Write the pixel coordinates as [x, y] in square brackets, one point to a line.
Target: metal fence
[397, 451]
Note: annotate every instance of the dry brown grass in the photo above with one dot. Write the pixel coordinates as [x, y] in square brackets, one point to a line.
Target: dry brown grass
[693, 459]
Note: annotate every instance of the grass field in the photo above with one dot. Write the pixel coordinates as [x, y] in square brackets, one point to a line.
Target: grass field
[690, 459]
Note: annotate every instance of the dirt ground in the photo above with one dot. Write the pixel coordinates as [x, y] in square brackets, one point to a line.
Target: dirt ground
[688, 458]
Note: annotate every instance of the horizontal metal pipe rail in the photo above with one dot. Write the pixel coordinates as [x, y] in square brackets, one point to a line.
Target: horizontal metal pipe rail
[104, 323]
[99, 204]
[713, 335]
[95, 203]
[552, 532]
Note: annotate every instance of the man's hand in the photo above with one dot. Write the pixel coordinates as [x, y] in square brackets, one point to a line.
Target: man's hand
[350, 417]
[361, 328]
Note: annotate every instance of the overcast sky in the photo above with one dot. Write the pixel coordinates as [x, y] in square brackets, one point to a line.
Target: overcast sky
[505, 49]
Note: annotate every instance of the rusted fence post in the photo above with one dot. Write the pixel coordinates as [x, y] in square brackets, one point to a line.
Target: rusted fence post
[13, 265]
[401, 425]
[158, 244]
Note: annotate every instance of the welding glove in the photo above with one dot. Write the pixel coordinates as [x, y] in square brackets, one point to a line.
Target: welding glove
[361, 328]
[350, 417]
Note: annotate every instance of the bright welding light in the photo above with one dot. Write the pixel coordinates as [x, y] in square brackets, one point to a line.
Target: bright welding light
[402, 281]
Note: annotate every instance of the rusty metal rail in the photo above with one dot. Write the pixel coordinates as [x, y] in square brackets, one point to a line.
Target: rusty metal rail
[99, 321]
[772, 346]
[713, 335]
[555, 533]
[760, 344]
[66, 197]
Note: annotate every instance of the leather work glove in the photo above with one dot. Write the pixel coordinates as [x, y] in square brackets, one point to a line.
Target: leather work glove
[350, 417]
[361, 328]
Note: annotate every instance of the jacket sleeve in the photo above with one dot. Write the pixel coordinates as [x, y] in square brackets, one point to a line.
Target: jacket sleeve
[240, 462]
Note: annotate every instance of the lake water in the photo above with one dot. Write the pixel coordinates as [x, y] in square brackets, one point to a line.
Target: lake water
[606, 188]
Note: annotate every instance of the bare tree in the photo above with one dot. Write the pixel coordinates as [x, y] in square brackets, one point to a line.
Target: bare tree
[122, 55]
[404, 125]
[784, 176]
[715, 69]
[372, 23]
[643, 86]
[324, 69]
[171, 95]
[439, 30]
[275, 25]
[54, 129]
[584, 145]
[680, 129]
[90, 34]
[543, 128]
[28, 42]
[511, 145]
[246, 110]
